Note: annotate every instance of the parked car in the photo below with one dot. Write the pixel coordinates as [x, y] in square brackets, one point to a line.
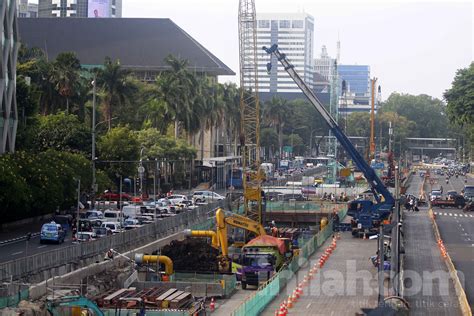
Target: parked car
[101, 232]
[94, 214]
[131, 224]
[111, 196]
[206, 197]
[113, 226]
[177, 198]
[451, 194]
[85, 237]
[186, 205]
[52, 232]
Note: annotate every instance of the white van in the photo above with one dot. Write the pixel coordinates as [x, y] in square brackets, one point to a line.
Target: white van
[132, 211]
[112, 216]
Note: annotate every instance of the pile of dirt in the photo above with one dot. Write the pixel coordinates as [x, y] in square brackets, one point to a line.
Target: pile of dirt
[192, 254]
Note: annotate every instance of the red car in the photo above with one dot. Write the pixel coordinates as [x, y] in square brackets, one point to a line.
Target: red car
[110, 196]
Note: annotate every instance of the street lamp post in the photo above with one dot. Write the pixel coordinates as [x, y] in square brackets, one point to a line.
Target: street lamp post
[141, 171]
[78, 205]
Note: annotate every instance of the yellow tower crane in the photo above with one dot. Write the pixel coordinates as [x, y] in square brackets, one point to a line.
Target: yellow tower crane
[249, 111]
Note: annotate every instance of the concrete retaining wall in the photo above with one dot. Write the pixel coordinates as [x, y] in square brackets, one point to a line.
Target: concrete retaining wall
[76, 276]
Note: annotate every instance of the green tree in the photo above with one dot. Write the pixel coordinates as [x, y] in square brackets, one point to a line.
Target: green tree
[274, 114]
[178, 87]
[461, 97]
[119, 144]
[62, 132]
[116, 88]
[65, 75]
[427, 112]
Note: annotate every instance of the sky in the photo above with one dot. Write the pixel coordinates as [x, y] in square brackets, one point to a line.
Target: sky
[411, 47]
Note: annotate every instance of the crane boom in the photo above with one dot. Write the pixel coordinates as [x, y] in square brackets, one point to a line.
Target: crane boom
[374, 181]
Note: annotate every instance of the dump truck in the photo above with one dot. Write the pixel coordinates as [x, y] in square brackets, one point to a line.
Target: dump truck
[261, 258]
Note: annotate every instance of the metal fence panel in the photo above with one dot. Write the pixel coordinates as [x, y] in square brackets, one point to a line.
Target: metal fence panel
[124, 241]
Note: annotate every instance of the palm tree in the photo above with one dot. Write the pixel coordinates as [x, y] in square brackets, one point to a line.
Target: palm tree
[275, 112]
[65, 75]
[231, 96]
[115, 85]
[178, 88]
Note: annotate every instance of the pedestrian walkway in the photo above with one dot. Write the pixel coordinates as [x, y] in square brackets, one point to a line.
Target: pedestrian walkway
[344, 286]
[428, 287]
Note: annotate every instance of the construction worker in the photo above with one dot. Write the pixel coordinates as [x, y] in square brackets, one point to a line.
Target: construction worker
[335, 221]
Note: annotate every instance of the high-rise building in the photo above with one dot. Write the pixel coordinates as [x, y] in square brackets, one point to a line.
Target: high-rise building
[10, 45]
[80, 8]
[357, 78]
[27, 10]
[293, 32]
[324, 71]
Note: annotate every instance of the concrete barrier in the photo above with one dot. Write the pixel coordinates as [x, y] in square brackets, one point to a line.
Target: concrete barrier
[461, 295]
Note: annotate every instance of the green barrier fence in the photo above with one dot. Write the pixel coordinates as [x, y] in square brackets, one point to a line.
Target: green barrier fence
[12, 301]
[267, 292]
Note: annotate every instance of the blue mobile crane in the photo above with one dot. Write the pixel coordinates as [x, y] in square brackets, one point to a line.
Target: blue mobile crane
[367, 216]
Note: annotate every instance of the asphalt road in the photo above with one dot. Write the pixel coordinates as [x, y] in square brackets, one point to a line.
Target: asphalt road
[457, 231]
[20, 249]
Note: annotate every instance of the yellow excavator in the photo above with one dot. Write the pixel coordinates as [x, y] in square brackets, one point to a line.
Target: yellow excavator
[219, 238]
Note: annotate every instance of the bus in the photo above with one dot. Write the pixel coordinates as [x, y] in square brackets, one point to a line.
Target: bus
[234, 179]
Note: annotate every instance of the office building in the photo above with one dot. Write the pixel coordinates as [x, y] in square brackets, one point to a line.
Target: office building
[10, 45]
[357, 78]
[293, 32]
[80, 8]
[324, 71]
[27, 10]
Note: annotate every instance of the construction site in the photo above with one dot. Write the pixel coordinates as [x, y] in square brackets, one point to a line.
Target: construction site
[243, 256]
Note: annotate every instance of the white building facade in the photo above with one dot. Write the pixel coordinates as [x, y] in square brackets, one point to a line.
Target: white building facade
[294, 33]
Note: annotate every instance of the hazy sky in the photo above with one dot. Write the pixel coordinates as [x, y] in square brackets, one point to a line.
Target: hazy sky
[412, 47]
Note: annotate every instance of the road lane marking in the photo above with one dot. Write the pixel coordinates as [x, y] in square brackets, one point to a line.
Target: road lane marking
[470, 215]
[450, 214]
[445, 214]
[307, 306]
[454, 215]
[17, 253]
[39, 247]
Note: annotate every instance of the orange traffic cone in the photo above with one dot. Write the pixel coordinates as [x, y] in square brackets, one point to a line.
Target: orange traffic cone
[290, 302]
[212, 306]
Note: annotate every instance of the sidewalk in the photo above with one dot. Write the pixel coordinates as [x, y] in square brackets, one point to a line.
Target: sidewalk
[427, 293]
[346, 284]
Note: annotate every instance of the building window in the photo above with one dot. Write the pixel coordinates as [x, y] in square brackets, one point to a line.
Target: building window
[113, 11]
[263, 24]
[113, 2]
[285, 24]
[297, 24]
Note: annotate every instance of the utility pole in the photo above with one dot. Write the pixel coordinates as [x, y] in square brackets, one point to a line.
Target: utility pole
[94, 186]
[78, 205]
[372, 121]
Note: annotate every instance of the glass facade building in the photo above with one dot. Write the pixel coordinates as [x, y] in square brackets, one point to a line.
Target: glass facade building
[10, 45]
[357, 78]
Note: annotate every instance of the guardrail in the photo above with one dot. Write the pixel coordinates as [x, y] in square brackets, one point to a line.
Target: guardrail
[124, 241]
